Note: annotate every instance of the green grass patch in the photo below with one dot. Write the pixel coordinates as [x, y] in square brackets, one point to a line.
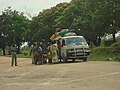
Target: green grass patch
[104, 57]
[24, 54]
[102, 53]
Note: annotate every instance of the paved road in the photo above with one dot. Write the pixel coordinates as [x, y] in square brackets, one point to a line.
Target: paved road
[89, 75]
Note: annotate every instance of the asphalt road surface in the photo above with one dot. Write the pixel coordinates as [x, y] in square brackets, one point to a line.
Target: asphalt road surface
[91, 75]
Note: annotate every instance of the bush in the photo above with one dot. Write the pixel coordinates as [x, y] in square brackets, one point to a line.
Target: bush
[103, 57]
[116, 45]
[106, 53]
[102, 49]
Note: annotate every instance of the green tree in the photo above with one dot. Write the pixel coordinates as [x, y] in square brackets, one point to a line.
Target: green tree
[43, 26]
[92, 18]
[13, 25]
[5, 27]
[112, 13]
[19, 26]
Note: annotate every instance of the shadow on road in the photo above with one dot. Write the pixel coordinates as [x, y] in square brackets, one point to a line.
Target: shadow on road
[71, 62]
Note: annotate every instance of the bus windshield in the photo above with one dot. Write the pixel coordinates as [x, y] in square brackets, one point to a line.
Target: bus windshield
[76, 41]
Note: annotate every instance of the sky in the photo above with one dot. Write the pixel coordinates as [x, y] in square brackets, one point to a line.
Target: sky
[32, 7]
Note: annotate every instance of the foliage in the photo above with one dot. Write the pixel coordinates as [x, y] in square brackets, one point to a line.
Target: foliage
[106, 53]
[43, 26]
[104, 57]
[25, 54]
[13, 24]
[92, 19]
[116, 45]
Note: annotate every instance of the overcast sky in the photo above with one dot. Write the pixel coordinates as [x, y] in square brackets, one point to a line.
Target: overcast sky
[29, 6]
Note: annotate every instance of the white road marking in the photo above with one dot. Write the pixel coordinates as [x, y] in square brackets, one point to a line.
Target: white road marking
[108, 74]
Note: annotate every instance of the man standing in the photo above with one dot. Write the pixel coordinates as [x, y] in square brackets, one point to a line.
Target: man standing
[14, 57]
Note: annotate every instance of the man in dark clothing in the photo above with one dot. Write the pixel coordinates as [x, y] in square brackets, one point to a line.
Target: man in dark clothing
[14, 57]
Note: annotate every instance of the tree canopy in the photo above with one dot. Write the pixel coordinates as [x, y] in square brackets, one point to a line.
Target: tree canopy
[13, 25]
[90, 18]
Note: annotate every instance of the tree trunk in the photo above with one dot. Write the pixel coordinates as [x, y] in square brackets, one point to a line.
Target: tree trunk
[3, 51]
[114, 40]
[95, 42]
[99, 41]
[18, 50]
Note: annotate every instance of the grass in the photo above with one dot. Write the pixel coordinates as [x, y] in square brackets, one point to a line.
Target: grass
[24, 54]
[104, 57]
[101, 53]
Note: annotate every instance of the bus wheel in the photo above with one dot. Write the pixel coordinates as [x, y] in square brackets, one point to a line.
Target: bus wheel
[73, 60]
[84, 59]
